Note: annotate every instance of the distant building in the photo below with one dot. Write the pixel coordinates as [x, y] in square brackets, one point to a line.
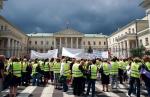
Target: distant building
[69, 38]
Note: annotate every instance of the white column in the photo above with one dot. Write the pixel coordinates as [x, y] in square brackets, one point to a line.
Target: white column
[71, 42]
[77, 42]
[8, 47]
[66, 44]
[54, 42]
[60, 42]
[148, 15]
[128, 48]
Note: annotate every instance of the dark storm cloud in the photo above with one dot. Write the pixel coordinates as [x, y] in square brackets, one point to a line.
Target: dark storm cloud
[88, 16]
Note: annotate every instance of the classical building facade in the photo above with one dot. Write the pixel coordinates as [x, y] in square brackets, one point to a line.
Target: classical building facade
[68, 38]
[133, 35]
[13, 42]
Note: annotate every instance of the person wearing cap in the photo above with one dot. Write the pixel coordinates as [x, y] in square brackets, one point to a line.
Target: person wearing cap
[135, 77]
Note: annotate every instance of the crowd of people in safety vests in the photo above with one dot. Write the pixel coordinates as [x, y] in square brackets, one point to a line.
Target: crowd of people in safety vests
[65, 72]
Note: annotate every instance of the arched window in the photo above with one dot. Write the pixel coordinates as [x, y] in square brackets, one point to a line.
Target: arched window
[94, 43]
[89, 43]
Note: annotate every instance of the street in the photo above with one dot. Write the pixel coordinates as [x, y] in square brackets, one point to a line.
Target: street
[49, 91]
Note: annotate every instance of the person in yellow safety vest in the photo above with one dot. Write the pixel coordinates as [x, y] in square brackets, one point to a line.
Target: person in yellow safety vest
[77, 74]
[114, 72]
[93, 69]
[145, 77]
[56, 69]
[121, 70]
[24, 72]
[64, 71]
[34, 72]
[46, 71]
[135, 77]
[51, 64]
[105, 75]
[15, 76]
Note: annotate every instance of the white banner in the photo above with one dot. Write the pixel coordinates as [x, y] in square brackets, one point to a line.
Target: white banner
[73, 53]
[100, 54]
[49, 54]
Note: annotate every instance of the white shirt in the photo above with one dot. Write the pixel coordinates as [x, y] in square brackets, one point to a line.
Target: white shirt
[62, 68]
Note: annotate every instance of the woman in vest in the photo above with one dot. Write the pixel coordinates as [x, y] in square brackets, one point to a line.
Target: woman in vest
[15, 69]
[105, 75]
[92, 79]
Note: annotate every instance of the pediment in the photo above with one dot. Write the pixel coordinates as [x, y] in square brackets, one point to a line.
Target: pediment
[68, 32]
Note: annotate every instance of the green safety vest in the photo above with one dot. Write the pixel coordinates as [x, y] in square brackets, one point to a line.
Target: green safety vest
[56, 67]
[41, 65]
[76, 72]
[16, 66]
[148, 65]
[66, 70]
[34, 68]
[106, 68]
[51, 64]
[121, 65]
[135, 70]
[93, 72]
[24, 66]
[114, 68]
[46, 66]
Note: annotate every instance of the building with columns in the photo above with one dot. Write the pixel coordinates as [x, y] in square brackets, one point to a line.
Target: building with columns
[132, 35]
[13, 42]
[68, 38]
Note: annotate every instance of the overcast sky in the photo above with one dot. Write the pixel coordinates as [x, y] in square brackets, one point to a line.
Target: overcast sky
[87, 16]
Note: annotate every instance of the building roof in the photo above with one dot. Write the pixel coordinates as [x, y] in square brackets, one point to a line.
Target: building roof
[40, 34]
[95, 35]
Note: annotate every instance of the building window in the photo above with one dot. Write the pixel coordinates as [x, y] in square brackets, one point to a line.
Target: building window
[94, 43]
[125, 32]
[52, 42]
[41, 42]
[141, 42]
[84, 43]
[146, 41]
[2, 27]
[129, 30]
[89, 43]
[47, 42]
[36, 42]
[104, 43]
[30, 42]
[133, 30]
[99, 43]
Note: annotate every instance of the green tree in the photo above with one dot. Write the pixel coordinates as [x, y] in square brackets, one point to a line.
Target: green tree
[138, 52]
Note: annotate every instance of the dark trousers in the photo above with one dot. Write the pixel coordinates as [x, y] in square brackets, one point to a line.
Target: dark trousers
[91, 82]
[24, 78]
[77, 86]
[65, 86]
[134, 82]
[147, 84]
[121, 75]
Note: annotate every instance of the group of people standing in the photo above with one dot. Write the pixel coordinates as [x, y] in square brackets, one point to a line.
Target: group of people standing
[77, 73]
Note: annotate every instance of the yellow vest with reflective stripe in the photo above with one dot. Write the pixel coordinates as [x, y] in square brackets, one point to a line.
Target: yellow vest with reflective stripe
[93, 72]
[148, 65]
[46, 66]
[16, 66]
[34, 68]
[75, 70]
[24, 66]
[56, 67]
[135, 70]
[114, 68]
[51, 64]
[106, 68]
[66, 70]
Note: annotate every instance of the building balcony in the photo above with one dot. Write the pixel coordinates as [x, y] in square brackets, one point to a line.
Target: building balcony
[131, 36]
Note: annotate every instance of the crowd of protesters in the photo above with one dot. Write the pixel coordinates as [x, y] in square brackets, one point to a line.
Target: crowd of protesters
[77, 73]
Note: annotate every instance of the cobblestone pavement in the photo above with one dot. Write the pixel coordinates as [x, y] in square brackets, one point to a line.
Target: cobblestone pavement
[49, 91]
